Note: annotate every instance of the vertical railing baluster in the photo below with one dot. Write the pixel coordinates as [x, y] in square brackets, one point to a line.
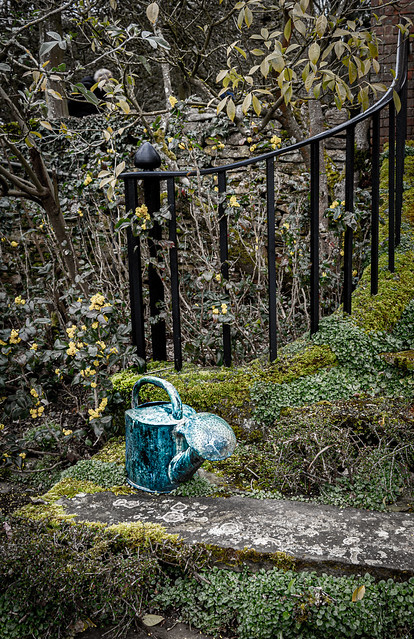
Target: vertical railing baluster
[224, 256]
[314, 237]
[399, 161]
[156, 287]
[349, 206]
[391, 188]
[375, 194]
[271, 256]
[135, 274]
[175, 294]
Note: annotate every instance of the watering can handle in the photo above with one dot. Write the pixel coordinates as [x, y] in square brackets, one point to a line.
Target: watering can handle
[177, 407]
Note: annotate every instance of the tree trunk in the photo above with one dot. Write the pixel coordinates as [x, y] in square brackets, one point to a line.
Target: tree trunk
[56, 108]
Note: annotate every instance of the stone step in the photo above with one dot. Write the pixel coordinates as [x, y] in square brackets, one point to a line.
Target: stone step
[318, 537]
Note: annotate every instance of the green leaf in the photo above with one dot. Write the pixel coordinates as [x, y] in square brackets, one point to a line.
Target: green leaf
[314, 52]
[397, 101]
[321, 24]
[301, 27]
[248, 16]
[287, 30]
[246, 103]
[231, 109]
[257, 106]
[241, 51]
[352, 72]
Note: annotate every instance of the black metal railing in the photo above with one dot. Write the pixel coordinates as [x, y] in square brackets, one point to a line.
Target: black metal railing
[148, 159]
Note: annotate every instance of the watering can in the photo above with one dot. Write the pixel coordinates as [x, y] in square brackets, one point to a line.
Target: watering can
[166, 442]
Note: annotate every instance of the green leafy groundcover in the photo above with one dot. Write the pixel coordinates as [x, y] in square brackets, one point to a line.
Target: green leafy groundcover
[53, 577]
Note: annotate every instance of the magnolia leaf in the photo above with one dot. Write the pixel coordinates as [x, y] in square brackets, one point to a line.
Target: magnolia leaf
[321, 24]
[231, 109]
[241, 51]
[397, 101]
[301, 27]
[152, 12]
[257, 106]
[46, 125]
[327, 51]
[376, 66]
[123, 104]
[220, 76]
[314, 52]
[46, 47]
[264, 68]
[119, 168]
[287, 30]
[55, 94]
[257, 52]
[222, 104]
[309, 81]
[352, 72]
[358, 593]
[248, 16]
[152, 620]
[317, 90]
[240, 18]
[246, 103]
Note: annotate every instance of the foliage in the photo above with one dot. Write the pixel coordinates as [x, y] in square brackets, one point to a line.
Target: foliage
[311, 53]
[55, 577]
[105, 474]
[267, 604]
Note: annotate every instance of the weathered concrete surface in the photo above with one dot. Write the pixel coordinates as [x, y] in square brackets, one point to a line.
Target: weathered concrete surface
[319, 537]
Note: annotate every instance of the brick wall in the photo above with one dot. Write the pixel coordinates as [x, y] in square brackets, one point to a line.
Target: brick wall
[388, 34]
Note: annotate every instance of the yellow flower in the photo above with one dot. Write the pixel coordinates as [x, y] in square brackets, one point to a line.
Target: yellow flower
[275, 141]
[79, 345]
[253, 147]
[67, 431]
[250, 140]
[224, 309]
[19, 301]
[22, 455]
[71, 331]
[1, 426]
[334, 204]
[93, 384]
[40, 410]
[101, 344]
[173, 101]
[95, 324]
[323, 274]
[233, 201]
[84, 328]
[80, 212]
[87, 180]
[354, 273]
[2, 343]
[97, 301]
[14, 337]
[341, 253]
[14, 244]
[170, 140]
[96, 362]
[286, 225]
[34, 347]
[72, 350]
[33, 392]
[79, 300]
[33, 413]
[215, 188]
[218, 277]
[181, 145]
[215, 311]
[343, 202]
[57, 371]
[142, 211]
[114, 351]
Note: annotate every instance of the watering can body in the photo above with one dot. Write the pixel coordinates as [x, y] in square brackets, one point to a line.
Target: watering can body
[166, 442]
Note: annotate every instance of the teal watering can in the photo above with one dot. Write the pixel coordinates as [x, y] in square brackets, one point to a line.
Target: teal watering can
[166, 442]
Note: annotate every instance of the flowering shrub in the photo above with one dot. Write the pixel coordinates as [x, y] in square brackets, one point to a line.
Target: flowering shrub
[39, 362]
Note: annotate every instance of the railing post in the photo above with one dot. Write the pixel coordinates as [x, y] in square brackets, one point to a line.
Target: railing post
[175, 294]
[224, 256]
[399, 164]
[391, 188]
[135, 274]
[349, 206]
[147, 158]
[375, 201]
[271, 256]
[314, 237]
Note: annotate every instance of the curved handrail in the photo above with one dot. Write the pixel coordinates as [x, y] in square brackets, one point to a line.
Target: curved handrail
[397, 83]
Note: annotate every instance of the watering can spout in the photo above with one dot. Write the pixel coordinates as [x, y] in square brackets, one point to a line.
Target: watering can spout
[184, 465]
